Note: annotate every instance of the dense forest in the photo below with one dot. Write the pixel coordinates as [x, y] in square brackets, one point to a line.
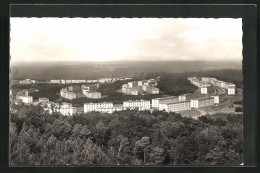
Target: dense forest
[123, 138]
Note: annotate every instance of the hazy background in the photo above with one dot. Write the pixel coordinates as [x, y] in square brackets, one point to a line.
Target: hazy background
[48, 48]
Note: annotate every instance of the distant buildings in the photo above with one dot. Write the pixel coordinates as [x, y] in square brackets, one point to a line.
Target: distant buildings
[67, 109]
[27, 81]
[61, 81]
[136, 87]
[67, 94]
[90, 91]
[206, 82]
[24, 97]
[43, 100]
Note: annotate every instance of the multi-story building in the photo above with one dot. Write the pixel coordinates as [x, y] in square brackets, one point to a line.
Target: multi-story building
[67, 94]
[24, 97]
[204, 90]
[57, 81]
[184, 97]
[144, 104]
[92, 81]
[132, 84]
[140, 83]
[231, 90]
[67, 109]
[27, 81]
[89, 107]
[134, 91]
[176, 106]
[70, 88]
[202, 102]
[92, 94]
[124, 86]
[152, 90]
[216, 99]
[110, 110]
[43, 100]
[157, 101]
[62, 81]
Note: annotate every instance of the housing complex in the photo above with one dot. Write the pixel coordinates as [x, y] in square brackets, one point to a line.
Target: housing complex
[27, 81]
[67, 93]
[90, 91]
[206, 82]
[138, 87]
[24, 97]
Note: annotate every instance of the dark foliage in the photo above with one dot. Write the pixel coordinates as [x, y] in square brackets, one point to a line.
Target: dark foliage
[123, 138]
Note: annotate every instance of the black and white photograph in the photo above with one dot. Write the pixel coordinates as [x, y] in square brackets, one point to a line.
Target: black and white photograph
[126, 91]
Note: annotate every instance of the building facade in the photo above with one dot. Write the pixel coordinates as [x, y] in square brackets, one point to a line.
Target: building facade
[177, 106]
[202, 102]
[89, 107]
[145, 104]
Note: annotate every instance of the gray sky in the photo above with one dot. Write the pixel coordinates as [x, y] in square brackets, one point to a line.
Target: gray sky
[107, 39]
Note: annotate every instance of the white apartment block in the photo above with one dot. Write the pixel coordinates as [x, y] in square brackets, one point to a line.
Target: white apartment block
[110, 110]
[92, 95]
[145, 104]
[43, 100]
[177, 106]
[92, 81]
[57, 81]
[67, 94]
[204, 90]
[157, 101]
[89, 107]
[27, 81]
[216, 99]
[134, 92]
[202, 102]
[67, 109]
[231, 90]
[24, 97]
[140, 83]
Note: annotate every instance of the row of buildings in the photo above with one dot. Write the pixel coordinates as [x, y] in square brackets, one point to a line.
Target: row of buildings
[109, 107]
[78, 81]
[136, 87]
[27, 81]
[206, 82]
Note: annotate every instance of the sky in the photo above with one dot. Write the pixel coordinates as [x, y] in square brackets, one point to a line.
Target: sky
[125, 39]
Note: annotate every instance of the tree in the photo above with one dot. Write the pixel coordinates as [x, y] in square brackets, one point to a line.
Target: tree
[141, 146]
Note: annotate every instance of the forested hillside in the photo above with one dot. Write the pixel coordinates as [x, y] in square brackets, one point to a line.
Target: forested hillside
[124, 138]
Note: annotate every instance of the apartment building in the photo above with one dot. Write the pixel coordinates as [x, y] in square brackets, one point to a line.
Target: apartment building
[24, 97]
[92, 81]
[157, 101]
[202, 102]
[92, 94]
[204, 90]
[67, 109]
[176, 106]
[110, 110]
[231, 90]
[89, 107]
[67, 94]
[27, 81]
[145, 104]
[55, 81]
[152, 90]
[43, 100]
